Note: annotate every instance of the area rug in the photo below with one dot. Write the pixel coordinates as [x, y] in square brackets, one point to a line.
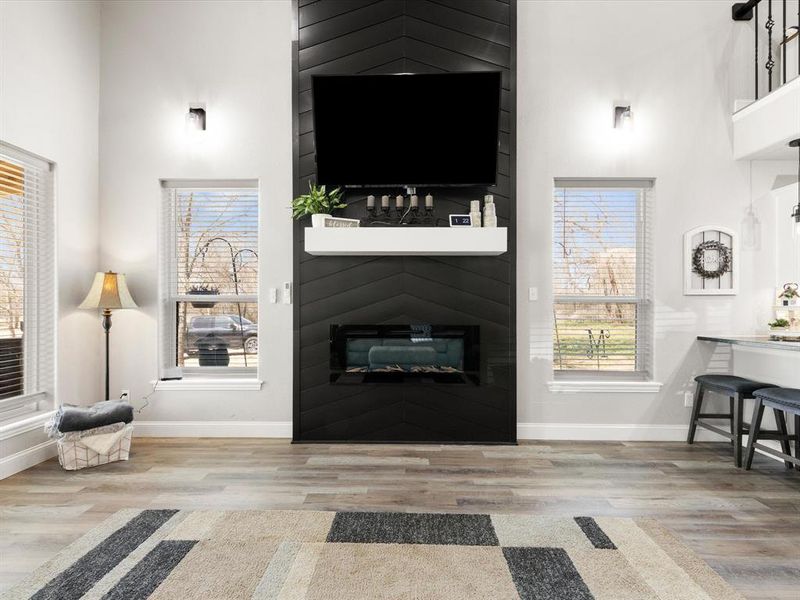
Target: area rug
[160, 554]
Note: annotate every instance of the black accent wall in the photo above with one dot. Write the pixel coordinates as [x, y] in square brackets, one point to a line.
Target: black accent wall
[405, 36]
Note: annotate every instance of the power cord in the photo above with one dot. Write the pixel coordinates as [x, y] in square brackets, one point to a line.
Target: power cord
[145, 398]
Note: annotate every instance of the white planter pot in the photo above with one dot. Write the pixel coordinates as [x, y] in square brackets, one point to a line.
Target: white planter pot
[318, 219]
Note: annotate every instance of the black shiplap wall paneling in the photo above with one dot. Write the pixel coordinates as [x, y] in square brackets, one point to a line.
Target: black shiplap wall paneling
[409, 36]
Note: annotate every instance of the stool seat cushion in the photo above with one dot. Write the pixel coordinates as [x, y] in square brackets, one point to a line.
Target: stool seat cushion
[731, 383]
[789, 397]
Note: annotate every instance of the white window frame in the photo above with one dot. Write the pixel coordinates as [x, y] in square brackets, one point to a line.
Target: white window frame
[640, 380]
[196, 378]
[40, 292]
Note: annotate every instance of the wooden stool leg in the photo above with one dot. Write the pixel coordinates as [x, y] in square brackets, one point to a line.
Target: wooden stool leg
[797, 438]
[696, 404]
[738, 402]
[732, 409]
[755, 429]
[780, 421]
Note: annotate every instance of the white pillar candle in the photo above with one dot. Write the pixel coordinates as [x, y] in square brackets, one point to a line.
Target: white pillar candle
[384, 201]
[428, 201]
[370, 201]
[398, 202]
[414, 201]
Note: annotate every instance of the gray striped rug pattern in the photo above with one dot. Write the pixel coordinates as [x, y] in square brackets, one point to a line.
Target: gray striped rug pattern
[171, 554]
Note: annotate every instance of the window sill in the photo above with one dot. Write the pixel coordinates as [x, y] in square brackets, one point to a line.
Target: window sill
[22, 425]
[612, 387]
[200, 384]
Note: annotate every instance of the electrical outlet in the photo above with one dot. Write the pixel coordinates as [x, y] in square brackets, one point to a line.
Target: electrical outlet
[125, 395]
[688, 399]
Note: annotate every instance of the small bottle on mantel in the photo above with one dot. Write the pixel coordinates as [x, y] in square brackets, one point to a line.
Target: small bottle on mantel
[475, 212]
[489, 211]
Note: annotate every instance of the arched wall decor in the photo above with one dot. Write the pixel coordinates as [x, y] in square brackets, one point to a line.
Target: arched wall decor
[710, 261]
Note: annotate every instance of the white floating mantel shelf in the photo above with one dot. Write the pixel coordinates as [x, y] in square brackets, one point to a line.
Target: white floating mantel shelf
[406, 241]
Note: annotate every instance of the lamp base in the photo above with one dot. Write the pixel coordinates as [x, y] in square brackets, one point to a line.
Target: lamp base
[107, 329]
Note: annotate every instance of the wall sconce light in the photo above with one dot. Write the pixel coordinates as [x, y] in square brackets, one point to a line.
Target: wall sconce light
[196, 118]
[623, 117]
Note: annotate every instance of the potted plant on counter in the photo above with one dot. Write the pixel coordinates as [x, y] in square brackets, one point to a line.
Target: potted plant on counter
[318, 202]
[779, 325]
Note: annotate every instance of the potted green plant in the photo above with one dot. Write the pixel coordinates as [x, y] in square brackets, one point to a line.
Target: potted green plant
[779, 325]
[318, 203]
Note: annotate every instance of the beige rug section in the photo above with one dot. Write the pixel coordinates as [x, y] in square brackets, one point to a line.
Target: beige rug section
[312, 555]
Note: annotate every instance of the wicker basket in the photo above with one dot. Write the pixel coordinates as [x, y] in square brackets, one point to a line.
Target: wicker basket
[74, 455]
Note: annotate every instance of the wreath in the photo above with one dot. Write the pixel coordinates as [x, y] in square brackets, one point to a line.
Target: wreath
[723, 261]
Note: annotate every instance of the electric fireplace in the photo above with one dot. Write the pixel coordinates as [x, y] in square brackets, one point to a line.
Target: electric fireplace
[426, 354]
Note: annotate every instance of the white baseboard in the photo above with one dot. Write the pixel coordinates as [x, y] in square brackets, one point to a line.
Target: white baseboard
[226, 429]
[626, 432]
[25, 459]
[525, 431]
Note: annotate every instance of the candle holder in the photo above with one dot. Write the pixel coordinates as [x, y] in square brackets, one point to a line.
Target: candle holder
[400, 214]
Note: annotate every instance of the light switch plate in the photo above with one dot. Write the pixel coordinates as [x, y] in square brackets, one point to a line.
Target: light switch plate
[273, 295]
[287, 292]
[688, 399]
[533, 294]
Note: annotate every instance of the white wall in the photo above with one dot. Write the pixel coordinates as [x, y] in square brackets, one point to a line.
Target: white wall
[157, 58]
[682, 73]
[49, 84]
[681, 67]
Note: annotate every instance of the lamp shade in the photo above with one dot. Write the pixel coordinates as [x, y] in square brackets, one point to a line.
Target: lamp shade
[108, 290]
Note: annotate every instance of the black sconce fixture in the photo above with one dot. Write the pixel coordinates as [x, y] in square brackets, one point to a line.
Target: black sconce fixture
[796, 211]
[196, 118]
[623, 117]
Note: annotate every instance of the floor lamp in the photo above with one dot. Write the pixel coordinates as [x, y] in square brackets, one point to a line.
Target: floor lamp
[109, 292]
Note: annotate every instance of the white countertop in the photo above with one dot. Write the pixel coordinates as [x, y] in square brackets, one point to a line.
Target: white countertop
[753, 341]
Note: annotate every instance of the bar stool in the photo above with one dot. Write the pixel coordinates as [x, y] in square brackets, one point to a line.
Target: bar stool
[780, 400]
[737, 389]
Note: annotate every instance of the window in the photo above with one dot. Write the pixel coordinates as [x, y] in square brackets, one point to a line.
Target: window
[601, 271]
[209, 278]
[27, 283]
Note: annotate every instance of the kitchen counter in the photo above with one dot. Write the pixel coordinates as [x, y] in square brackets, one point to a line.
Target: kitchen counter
[751, 341]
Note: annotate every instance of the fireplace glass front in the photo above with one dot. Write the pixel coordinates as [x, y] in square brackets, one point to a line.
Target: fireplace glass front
[447, 354]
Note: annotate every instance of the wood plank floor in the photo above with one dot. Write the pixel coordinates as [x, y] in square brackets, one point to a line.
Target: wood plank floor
[745, 524]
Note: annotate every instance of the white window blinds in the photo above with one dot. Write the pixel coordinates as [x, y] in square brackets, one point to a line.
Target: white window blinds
[601, 277]
[209, 276]
[27, 283]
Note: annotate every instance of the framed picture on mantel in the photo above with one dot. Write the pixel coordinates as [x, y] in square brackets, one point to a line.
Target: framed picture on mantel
[710, 257]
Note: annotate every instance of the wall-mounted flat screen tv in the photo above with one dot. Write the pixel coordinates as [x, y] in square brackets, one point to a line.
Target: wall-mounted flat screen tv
[412, 130]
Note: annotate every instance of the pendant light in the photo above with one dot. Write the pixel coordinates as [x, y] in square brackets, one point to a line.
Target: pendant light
[796, 211]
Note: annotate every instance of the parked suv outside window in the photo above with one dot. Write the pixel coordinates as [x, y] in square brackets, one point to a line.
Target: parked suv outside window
[222, 331]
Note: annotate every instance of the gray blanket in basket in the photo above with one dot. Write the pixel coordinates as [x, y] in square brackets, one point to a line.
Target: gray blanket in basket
[80, 418]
